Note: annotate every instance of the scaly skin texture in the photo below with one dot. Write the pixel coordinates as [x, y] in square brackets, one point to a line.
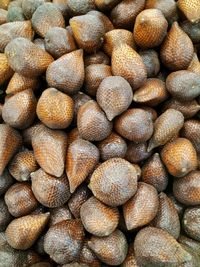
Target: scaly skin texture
[190, 222]
[5, 70]
[191, 9]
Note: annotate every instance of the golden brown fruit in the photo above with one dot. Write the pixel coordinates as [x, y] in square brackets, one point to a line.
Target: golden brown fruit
[26, 58]
[19, 110]
[82, 158]
[3, 16]
[117, 37]
[179, 156]
[130, 260]
[12, 30]
[140, 209]
[183, 85]
[20, 83]
[30, 132]
[114, 96]
[50, 191]
[114, 146]
[67, 72]
[137, 152]
[77, 199]
[6, 181]
[94, 75]
[80, 7]
[167, 216]
[55, 109]
[108, 26]
[97, 218]
[187, 189]
[20, 200]
[134, 124]
[4, 4]
[5, 216]
[68, 243]
[45, 17]
[49, 148]
[191, 223]
[87, 256]
[59, 41]
[154, 173]
[177, 49]
[194, 65]
[126, 62]
[188, 109]
[79, 100]
[88, 31]
[10, 143]
[101, 247]
[114, 182]
[150, 28]
[152, 93]
[105, 5]
[124, 14]
[155, 247]
[22, 232]
[30, 6]
[192, 30]
[5, 70]
[191, 9]
[151, 62]
[60, 214]
[97, 58]
[167, 125]
[92, 122]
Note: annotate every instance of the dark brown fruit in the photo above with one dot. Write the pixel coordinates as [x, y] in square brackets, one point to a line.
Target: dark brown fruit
[88, 257]
[178, 206]
[105, 5]
[117, 37]
[59, 41]
[195, 65]
[94, 75]
[49, 147]
[40, 43]
[30, 6]
[191, 223]
[50, 191]
[82, 157]
[139, 210]
[97, 218]
[5, 70]
[26, 58]
[177, 49]
[155, 247]
[179, 156]
[77, 199]
[154, 173]
[79, 100]
[45, 17]
[92, 122]
[42, 264]
[10, 143]
[192, 29]
[187, 189]
[68, 243]
[88, 31]
[5, 216]
[126, 62]
[67, 72]
[80, 7]
[22, 232]
[114, 182]
[63, 7]
[137, 152]
[97, 58]
[108, 26]
[55, 109]
[60, 214]
[124, 14]
[101, 247]
[151, 62]
[30, 132]
[113, 146]
[6, 181]
[166, 126]
[130, 260]
[19, 110]
[191, 9]
[20, 199]
[135, 125]
[183, 85]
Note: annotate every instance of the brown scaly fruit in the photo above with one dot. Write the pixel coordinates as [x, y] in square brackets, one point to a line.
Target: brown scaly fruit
[67, 72]
[63, 7]
[105, 5]
[167, 125]
[5, 216]
[114, 182]
[137, 152]
[49, 148]
[191, 9]
[4, 4]
[30, 132]
[68, 244]
[82, 158]
[22, 232]
[180, 157]
[5, 70]
[55, 109]
[60, 214]
[130, 260]
[192, 30]
[30, 6]
[6, 181]
[191, 243]
[3, 16]
[139, 210]
[79, 100]
[191, 223]
[40, 43]
[126, 62]
[19, 110]
[80, 7]
[177, 49]
[10, 143]
[20, 199]
[151, 62]
[50, 191]
[97, 58]
[88, 257]
[194, 65]
[26, 58]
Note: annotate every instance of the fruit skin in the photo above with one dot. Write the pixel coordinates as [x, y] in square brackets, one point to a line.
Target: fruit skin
[15, 13]
[97, 58]
[59, 214]
[5, 70]
[137, 152]
[190, 222]
[106, 5]
[26, 58]
[177, 49]
[5, 216]
[191, 9]
[30, 6]
[80, 7]
[192, 30]
[3, 16]
[88, 257]
[179, 156]
[151, 62]
[6, 180]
